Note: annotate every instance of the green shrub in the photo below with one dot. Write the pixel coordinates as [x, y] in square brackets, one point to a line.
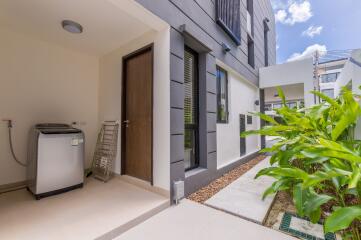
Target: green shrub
[318, 160]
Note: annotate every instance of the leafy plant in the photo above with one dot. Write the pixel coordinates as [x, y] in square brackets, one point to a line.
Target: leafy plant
[317, 160]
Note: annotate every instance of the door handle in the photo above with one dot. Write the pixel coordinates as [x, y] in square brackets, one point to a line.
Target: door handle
[126, 123]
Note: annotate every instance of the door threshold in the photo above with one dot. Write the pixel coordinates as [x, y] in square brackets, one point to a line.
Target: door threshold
[145, 185]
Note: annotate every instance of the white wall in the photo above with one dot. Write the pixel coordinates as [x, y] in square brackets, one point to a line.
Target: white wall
[351, 72]
[110, 98]
[292, 92]
[242, 97]
[43, 82]
[290, 73]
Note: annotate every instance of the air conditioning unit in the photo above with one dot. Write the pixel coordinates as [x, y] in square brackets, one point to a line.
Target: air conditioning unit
[249, 24]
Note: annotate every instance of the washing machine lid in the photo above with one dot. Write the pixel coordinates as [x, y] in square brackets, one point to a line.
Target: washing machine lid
[56, 128]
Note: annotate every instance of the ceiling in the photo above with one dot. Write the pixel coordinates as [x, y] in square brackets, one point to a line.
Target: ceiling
[105, 25]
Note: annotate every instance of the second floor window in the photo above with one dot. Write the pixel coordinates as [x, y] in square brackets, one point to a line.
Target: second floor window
[222, 96]
[228, 16]
[265, 40]
[250, 51]
[330, 77]
[329, 92]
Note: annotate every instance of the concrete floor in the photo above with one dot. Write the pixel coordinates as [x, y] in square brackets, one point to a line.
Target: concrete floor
[243, 197]
[193, 221]
[98, 211]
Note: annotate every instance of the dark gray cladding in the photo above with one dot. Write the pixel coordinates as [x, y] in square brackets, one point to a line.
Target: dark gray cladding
[194, 23]
[200, 15]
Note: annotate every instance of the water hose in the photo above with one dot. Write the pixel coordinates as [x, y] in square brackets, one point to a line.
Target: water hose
[10, 126]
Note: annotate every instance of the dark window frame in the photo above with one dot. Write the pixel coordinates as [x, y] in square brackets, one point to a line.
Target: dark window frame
[265, 40]
[249, 119]
[250, 10]
[218, 86]
[326, 75]
[228, 17]
[242, 140]
[194, 127]
[328, 89]
[250, 52]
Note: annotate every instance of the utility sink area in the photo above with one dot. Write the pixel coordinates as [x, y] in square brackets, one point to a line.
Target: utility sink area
[96, 211]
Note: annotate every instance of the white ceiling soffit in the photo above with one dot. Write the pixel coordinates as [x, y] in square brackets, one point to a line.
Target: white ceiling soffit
[107, 24]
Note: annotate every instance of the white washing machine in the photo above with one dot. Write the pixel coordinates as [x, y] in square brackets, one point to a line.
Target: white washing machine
[55, 159]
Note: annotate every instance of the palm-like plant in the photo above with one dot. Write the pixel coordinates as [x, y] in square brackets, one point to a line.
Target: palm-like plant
[318, 160]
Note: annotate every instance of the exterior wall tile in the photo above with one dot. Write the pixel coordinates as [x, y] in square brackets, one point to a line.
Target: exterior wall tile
[176, 69]
[176, 95]
[211, 142]
[176, 152]
[211, 122]
[176, 121]
[211, 102]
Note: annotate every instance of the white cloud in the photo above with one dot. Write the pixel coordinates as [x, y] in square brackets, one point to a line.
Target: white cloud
[308, 52]
[295, 12]
[281, 15]
[279, 4]
[312, 31]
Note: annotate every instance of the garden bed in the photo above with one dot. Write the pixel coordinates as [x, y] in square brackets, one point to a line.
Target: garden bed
[281, 203]
[217, 185]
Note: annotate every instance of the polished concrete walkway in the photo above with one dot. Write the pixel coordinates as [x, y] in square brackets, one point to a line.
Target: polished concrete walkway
[192, 221]
[243, 197]
[99, 210]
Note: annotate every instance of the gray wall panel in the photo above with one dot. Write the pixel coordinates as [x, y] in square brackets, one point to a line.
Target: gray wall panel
[211, 102]
[211, 122]
[211, 83]
[211, 142]
[176, 152]
[176, 69]
[199, 15]
[176, 95]
[176, 121]
[176, 46]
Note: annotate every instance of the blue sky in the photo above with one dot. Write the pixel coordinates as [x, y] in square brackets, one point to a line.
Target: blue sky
[306, 25]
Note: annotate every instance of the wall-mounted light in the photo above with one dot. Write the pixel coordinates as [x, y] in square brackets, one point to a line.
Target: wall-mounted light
[256, 102]
[71, 26]
[226, 48]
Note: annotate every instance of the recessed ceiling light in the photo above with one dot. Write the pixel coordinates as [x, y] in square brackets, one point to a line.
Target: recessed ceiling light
[71, 26]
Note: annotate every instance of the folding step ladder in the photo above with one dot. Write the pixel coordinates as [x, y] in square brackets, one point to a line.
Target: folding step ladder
[105, 151]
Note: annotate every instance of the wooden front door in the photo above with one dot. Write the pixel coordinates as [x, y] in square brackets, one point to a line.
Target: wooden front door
[138, 114]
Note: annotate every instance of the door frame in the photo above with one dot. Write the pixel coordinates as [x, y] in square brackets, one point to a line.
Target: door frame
[149, 47]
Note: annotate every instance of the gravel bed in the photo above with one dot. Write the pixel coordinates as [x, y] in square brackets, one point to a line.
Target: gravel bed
[282, 203]
[217, 185]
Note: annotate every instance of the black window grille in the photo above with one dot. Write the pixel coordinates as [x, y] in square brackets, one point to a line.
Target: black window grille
[228, 16]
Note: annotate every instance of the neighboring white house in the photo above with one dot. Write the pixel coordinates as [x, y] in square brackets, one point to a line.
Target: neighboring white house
[328, 73]
[297, 79]
[350, 76]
